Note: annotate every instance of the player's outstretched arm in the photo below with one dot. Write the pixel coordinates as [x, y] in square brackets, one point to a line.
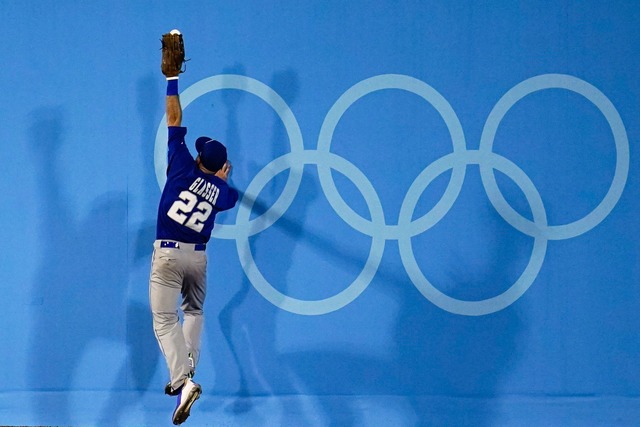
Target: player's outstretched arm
[174, 109]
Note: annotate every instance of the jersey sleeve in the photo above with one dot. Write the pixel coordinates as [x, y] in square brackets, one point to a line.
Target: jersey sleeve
[179, 159]
[227, 198]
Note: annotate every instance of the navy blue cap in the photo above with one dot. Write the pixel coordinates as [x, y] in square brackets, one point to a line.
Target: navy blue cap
[213, 154]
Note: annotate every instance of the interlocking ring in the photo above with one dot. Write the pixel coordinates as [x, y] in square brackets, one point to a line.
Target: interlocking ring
[376, 227]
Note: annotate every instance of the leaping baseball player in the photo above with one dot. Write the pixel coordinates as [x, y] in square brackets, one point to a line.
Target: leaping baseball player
[194, 192]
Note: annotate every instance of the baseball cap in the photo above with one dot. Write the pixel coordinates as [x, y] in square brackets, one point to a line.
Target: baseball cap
[212, 153]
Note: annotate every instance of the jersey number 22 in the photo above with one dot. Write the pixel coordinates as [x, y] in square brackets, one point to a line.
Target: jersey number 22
[188, 212]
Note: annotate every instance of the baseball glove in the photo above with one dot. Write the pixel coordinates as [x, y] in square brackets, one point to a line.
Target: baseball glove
[172, 54]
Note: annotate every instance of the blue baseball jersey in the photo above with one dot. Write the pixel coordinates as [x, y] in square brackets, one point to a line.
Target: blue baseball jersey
[191, 198]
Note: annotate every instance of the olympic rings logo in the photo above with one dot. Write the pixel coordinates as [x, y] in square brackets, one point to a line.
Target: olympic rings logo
[376, 227]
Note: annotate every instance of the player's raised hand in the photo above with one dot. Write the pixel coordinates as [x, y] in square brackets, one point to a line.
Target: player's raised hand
[224, 171]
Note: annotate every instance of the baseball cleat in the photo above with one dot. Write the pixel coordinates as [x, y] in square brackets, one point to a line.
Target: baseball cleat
[189, 393]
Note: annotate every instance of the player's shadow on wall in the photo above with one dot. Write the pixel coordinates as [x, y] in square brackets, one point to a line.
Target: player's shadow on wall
[80, 282]
[247, 328]
[239, 334]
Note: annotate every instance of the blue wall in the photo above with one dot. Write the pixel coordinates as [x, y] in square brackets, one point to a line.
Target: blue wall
[439, 223]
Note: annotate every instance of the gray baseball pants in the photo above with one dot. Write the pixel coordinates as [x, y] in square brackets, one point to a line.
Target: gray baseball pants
[178, 276]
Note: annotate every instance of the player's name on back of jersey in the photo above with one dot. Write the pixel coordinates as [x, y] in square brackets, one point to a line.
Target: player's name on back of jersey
[205, 189]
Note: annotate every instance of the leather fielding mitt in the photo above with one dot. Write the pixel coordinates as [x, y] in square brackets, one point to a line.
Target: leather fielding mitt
[172, 54]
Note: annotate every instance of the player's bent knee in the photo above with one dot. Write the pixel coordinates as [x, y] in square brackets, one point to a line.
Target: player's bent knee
[163, 319]
[193, 312]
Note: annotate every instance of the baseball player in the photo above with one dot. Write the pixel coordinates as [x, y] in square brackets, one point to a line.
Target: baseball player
[194, 192]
